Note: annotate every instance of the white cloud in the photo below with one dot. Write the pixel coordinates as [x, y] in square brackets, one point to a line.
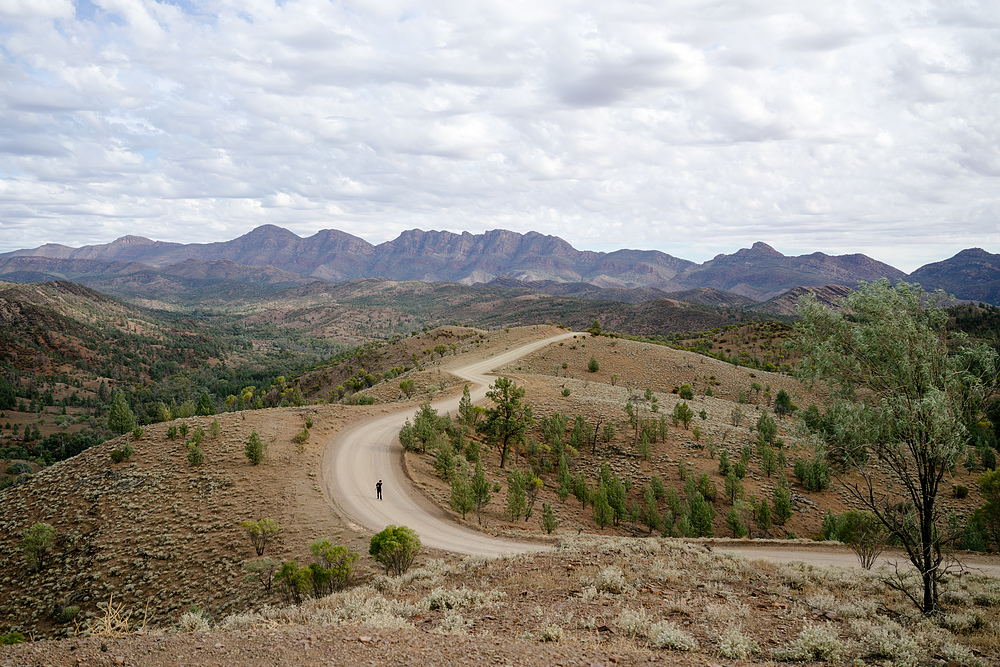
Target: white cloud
[694, 127]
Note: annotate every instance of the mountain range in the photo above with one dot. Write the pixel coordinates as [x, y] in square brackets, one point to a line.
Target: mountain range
[273, 256]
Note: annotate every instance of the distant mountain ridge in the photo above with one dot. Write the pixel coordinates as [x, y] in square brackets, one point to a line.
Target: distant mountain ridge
[758, 273]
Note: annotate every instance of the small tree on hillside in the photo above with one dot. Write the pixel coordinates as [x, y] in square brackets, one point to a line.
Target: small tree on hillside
[206, 407]
[480, 491]
[505, 423]
[254, 448]
[261, 533]
[121, 419]
[36, 543]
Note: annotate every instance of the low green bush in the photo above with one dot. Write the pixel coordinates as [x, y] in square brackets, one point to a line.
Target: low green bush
[11, 638]
[395, 548]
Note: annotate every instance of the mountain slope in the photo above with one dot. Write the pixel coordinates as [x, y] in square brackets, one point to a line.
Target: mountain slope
[758, 273]
[972, 274]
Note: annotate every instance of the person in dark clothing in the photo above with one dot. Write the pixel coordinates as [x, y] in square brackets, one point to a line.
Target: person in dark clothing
[378, 490]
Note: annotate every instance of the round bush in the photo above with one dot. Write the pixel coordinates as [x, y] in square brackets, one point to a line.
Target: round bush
[395, 548]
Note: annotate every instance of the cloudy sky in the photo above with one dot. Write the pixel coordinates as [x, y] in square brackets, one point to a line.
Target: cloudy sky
[692, 127]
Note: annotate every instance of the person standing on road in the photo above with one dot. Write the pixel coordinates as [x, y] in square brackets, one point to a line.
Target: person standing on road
[378, 490]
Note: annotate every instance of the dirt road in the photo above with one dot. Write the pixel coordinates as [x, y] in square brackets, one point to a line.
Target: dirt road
[357, 458]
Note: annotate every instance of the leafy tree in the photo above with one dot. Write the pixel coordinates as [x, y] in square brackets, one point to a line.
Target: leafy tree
[425, 431]
[462, 499]
[782, 403]
[36, 543]
[506, 423]
[517, 504]
[782, 497]
[394, 549]
[989, 484]
[407, 386]
[580, 489]
[8, 397]
[466, 411]
[121, 419]
[724, 466]
[683, 413]
[205, 407]
[702, 516]
[763, 516]
[768, 459]
[644, 449]
[604, 515]
[651, 516]
[261, 533]
[736, 521]
[444, 462]
[254, 448]
[766, 428]
[480, 491]
[734, 488]
[910, 392]
[549, 523]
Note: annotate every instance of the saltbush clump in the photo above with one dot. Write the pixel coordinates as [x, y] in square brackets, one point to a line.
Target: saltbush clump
[194, 621]
[816, 643]
[666, 635]
[736, 645]
[611, 580]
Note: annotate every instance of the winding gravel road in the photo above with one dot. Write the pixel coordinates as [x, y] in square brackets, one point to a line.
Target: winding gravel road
[358, 457]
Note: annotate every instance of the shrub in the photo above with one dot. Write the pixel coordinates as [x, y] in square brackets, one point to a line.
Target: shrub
[261, 533]
[301, 437]
[339, 566]
[137, 433]
[195, 456]
[550, 633]
[36, 543]
[592, 365]
[172, 431]
[293, 581]
[194, 621]
[686, 392]
[262, 570]
[666, 635]
[395, 548]
[611, 580]
[816, 643]
[566, 391]
[11, 638]
[960, 490]
[67, 614]
[633, 623]
[215, 429]
[254, 449]
[736, 645]
[19, 468]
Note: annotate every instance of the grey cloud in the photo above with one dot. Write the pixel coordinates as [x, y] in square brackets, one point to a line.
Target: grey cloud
[810, 126]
